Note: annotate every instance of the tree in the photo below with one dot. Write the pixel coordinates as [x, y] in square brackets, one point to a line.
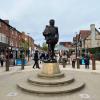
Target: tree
[44, 46]
[24, 44]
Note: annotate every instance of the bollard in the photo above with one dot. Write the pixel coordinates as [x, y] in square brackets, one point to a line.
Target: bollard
[78, 63]
[7, 65]
[93, 64]
[22, 64]
[22, 60]
[7, 61]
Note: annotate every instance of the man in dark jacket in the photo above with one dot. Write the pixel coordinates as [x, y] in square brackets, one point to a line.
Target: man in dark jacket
[36, 58]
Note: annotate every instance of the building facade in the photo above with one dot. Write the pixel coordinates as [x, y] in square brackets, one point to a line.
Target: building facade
[11, 38]
[87, 39]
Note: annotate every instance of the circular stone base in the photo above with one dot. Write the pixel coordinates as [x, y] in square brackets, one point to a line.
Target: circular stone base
[50, 82]
[50, 90]
[55, 82]
[50, 86]
[42, 75]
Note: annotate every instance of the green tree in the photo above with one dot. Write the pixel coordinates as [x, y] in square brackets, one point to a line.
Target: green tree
[24, 44]
[44, 46]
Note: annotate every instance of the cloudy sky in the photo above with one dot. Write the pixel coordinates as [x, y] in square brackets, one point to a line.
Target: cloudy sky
[31, 16]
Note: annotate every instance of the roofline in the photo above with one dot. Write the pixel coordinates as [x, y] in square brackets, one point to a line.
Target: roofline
[9, 25]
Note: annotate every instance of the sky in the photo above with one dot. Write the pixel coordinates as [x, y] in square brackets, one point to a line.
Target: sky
[31, 16]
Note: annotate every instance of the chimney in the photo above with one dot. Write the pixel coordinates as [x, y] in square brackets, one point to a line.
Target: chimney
[92, 28]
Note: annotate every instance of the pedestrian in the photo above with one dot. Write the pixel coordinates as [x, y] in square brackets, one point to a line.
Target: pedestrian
[68, 55]
[11, 59]
[1, 59]
[73, 59]
[64, 59]
[86, 61]
[36, 59]
[57, 57]
[46, 56]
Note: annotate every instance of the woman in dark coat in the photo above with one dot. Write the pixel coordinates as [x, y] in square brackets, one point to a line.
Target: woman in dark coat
[36, 59]
[87, 62]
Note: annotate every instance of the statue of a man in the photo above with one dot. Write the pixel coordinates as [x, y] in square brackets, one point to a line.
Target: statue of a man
[51, 36]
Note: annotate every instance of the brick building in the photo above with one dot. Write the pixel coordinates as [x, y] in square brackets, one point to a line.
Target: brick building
[11, 37]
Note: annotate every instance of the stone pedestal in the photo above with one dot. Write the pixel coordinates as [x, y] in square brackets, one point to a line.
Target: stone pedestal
[50, 70]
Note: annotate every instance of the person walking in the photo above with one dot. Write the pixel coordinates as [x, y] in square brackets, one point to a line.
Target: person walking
[1, 59]
[11, 59]
[64, 59]
[36, 59]
[86, 61]
[73, 59]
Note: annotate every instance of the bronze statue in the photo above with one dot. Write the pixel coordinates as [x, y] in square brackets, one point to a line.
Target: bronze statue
[51, 36]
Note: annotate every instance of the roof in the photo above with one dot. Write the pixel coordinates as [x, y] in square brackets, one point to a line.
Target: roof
[5, 22]
[66, 44]
[84, 33]
[97, 31]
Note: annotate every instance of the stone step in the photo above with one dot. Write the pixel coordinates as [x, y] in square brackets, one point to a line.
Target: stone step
[54, 76]
[48, 82]
[24, 85]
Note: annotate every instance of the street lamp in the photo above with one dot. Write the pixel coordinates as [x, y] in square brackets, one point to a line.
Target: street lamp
[77, 43]
[28, 46]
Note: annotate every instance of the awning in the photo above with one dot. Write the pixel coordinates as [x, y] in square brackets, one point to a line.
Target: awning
[3, 44]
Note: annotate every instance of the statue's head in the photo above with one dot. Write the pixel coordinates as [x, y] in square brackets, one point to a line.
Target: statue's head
[52, 22]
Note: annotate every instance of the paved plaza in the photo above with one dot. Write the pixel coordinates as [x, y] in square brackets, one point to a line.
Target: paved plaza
[9, 90]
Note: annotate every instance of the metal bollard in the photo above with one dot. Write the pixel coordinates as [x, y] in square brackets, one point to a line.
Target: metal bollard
[78, 63]
[22, 65]
[7, 61]
[93, 64]
[7, 65]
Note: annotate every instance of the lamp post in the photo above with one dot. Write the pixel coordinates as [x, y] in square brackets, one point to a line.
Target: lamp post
[28, 46]
[77, 56]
